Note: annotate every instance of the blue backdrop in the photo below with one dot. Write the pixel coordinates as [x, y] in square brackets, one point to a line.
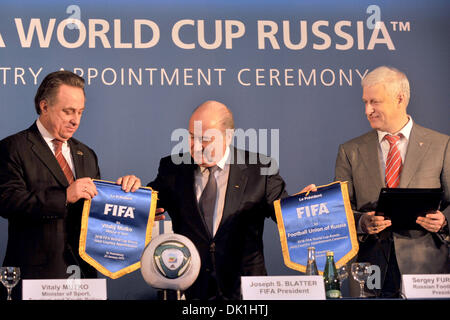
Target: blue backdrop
[295, 66]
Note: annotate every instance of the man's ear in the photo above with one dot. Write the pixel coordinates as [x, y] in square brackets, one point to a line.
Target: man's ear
[43, 105]
[229, 133]
[401, 99]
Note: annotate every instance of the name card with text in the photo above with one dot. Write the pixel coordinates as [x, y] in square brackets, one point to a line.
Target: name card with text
[422, 286]
[283, 288]
[64, 289]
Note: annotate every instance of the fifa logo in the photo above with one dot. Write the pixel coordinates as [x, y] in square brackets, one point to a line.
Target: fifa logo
[313, 210]
[119, 211]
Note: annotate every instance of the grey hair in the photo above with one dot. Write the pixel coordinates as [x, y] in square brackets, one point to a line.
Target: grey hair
[395, 81]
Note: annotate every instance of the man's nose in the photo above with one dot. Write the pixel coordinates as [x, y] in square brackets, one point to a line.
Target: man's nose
[75, 120]
[196, 145]
[369, 108]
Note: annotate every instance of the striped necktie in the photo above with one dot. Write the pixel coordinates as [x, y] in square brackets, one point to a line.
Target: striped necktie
[393, 162]
[62, 161]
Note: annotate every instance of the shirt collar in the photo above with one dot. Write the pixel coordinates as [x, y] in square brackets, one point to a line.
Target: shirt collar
[405, 131]
[44, 132]
[223, 161]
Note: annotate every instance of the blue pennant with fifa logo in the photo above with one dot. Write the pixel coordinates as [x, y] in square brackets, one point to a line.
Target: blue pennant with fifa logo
[322, 219]
[116, 226]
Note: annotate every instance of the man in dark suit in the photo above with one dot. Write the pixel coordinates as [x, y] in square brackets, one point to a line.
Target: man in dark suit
[218, 197]
[397, 153]
[45, 175]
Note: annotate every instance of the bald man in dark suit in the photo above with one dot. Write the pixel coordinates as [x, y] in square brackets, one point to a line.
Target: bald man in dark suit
[226, 225]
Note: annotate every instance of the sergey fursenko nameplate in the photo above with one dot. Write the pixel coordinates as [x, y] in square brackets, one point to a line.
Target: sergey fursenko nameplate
[322, 219]
[116, 227]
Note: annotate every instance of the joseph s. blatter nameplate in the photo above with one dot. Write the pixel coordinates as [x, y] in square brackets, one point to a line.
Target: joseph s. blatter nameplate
[116, 227]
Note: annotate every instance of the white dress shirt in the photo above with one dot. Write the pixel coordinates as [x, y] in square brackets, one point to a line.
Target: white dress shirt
[383, 149]
[402, 144]
[201, 179]
[65, 146]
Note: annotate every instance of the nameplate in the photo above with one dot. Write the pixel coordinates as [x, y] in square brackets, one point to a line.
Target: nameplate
[64, 289]
[423, 286]
[283, 288]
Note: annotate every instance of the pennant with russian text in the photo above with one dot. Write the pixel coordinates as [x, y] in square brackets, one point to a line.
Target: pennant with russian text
[322, 219]
[116, 227]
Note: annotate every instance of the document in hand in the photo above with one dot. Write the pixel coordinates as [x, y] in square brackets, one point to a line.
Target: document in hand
[403, 205]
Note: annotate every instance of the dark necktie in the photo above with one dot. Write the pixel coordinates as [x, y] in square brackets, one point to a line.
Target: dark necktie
[207, 200]
[393, 162]
[62, 161]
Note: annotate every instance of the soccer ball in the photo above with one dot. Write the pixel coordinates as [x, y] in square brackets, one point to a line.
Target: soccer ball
[172, 259]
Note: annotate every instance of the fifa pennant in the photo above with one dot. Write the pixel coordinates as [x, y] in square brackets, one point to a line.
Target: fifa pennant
[116, 227]
[322, 219]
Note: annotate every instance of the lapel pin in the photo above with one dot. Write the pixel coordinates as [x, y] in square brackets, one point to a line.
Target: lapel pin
[236, 186]
[79, 153]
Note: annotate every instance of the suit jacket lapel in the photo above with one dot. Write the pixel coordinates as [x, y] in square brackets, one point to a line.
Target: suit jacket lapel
[237, 181]
[78, 159]
[188, 183]
[417, 148]
[43, 152]
[369, 153]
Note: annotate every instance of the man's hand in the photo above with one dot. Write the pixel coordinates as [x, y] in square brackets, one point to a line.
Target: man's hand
[159, 214]
[129, 183]
[132, 183]
[432, 222]
[372, 224]
[311, 187]
[83, 188]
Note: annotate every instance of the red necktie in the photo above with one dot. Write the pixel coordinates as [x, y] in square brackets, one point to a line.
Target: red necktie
[62, 161]
[393, 162]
